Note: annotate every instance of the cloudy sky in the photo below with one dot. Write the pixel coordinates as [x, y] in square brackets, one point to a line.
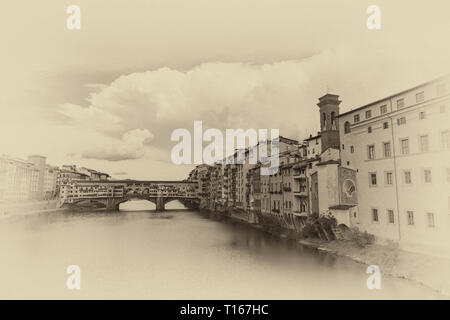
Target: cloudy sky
[109, 95]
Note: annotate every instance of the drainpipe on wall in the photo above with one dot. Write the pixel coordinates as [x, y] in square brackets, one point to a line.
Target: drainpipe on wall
[395, 171]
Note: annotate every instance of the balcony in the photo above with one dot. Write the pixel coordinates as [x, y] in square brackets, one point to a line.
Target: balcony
[300, 175]
[301, 193]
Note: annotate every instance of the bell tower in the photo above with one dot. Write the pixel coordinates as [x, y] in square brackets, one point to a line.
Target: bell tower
[329, 121]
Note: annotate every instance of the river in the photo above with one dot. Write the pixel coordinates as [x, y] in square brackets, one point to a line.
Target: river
[180, 254]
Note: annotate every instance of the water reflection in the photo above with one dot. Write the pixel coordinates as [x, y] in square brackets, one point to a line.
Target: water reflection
[178, 254]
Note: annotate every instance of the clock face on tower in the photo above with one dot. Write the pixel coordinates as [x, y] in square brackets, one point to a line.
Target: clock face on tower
[349, 187]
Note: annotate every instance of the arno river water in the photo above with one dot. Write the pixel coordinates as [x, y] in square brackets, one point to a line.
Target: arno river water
[180, 254]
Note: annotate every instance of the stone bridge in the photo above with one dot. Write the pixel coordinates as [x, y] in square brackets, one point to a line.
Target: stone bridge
[110, 194]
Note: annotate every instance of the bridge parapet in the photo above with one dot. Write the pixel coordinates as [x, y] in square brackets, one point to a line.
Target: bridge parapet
[111, 193]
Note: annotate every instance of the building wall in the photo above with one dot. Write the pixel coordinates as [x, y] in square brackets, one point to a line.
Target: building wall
[51, 175]
[313, 146]
[328, 182]
[15, 178]
[314, 188]
[430, 117]
[37, 190]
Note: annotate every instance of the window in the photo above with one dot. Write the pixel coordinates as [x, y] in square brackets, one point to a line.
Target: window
[352, 149]
[401, 121]
[448, 174]
[333, 120]
[422, 115]
[420, 97]
[368, 114]
[427, 175]
[445, 137]
[410, 216]
[373, 179]
[385, 125]
[423, 143]
[356, 118]
[343, 146]
[404, 146]
[375, 215]
[388, 178]
[430, 219]
[387, 149]
[347, 127]
[371, 152]
[407, 176]
[302, 206]
[369, 129]
[390, 213]
[383, 109]
[400, 103]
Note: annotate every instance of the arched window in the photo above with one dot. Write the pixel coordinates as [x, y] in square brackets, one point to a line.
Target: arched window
[347, 127]
[324, 119]
[333, 120]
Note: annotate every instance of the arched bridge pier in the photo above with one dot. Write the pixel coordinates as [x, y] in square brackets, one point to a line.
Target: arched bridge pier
[110, 194]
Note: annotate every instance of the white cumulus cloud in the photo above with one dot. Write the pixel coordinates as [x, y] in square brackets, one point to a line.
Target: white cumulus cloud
[131, 146]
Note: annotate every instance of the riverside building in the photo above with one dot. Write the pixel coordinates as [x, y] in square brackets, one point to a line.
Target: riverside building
[383, 168]
[399, 147]
[16, 176]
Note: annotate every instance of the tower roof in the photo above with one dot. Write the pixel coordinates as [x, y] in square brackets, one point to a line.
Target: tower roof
[329, 98]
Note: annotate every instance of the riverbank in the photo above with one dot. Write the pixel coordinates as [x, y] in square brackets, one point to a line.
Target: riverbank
[16, 209]
[427, 270]
[431, 271]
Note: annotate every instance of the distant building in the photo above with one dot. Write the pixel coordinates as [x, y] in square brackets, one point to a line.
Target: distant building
[69, 167]
[51, 177]
[16, 177]
[66, 177]
[37, 188]
[94, 175]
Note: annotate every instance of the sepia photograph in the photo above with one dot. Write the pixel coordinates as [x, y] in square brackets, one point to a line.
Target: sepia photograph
[211, 152]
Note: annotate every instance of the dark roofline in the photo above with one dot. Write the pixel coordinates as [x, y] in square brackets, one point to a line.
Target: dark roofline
[37, 155]
[287, 140]
[71, 171]
[304, 162]
[312, 138]
[328, 162]
[342, 206]
[395, 94]
[280, 138]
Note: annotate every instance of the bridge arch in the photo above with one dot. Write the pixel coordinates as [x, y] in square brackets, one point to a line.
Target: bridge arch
[142, 204]
[111, 194]
[173, 202]
[89, 202]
